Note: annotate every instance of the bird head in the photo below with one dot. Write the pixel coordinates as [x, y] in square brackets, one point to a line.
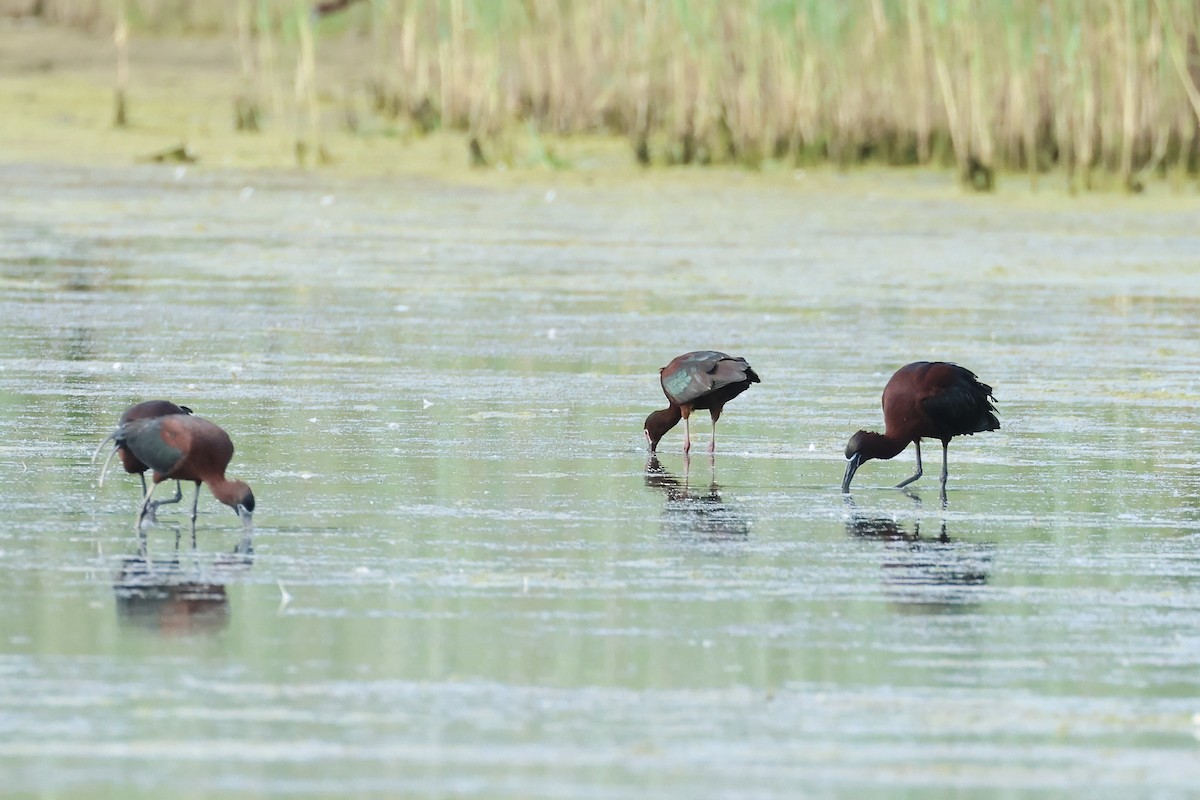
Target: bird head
[658, 423]
[654, 429]
[243, 503]
[857, 452]
[651, 440]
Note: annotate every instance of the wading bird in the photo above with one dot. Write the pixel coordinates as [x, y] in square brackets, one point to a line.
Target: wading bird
[932, 399]
[702, 379]
[186, 448]
[144, 410]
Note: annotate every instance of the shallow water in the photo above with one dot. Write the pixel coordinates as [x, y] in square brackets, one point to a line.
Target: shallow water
[466, 580]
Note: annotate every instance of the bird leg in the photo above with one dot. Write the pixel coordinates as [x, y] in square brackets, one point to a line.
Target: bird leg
[902, 484]
[154, 506]
[687, 434]
[195, 503]
[137, 525]
[945, 469]
[715, 414]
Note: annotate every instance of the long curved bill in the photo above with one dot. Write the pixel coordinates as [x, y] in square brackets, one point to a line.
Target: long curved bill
[851, 467]
[104, 469]
[100, 446]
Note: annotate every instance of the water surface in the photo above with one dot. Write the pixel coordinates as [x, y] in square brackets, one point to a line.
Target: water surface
[466, 579]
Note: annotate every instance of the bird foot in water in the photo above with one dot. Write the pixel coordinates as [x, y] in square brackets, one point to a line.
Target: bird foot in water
[152, 509]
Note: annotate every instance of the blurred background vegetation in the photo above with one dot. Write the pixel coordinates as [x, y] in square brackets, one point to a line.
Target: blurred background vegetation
[1107, 91]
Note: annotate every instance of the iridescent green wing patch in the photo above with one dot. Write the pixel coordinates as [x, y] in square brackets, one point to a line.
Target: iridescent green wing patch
[677, 383]
[143, 437]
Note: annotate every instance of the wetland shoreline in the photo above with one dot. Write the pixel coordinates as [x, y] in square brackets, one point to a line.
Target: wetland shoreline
[56, 96]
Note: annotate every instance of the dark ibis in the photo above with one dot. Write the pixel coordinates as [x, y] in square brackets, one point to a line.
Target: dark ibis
[144, 410]
[933, 399]
[186, 448]
[701, 379]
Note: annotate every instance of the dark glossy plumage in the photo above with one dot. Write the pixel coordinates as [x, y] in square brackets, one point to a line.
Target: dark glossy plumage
[187, 448]
[146, 410]
[925, 399]
[130, 462]
[704, 379]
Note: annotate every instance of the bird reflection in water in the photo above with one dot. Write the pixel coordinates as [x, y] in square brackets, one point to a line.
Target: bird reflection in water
[181, 594]
[923, 572]
[695, 514]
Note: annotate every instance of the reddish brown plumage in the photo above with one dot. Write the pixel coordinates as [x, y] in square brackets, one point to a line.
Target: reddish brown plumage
[936, 400]
[188, 448]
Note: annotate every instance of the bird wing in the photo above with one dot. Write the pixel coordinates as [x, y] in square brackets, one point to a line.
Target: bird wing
[961, 404]
[151, 408]
[705, 372]
[143, 438]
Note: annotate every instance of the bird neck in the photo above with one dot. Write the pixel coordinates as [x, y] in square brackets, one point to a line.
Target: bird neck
[661, 421]
[882, 446]
[227, 491]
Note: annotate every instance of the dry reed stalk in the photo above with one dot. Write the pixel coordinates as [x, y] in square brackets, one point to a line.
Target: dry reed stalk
[307, 118]
[581, 39]
[382, 80]
[555, 66]
[981, 128]
[956, 128]
[1123, 14]
[247, 111]
[456, 69]
[640, 88]
[1176, 40]
[409, 74]
[809, 107]
[1089, 132]
[1156, 119]
[1023, 104]
[121, 40]
[919, 67]
[268, 64]
[445, 83]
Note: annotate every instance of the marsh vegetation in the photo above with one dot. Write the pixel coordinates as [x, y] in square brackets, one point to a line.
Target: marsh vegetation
[1105, 92]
